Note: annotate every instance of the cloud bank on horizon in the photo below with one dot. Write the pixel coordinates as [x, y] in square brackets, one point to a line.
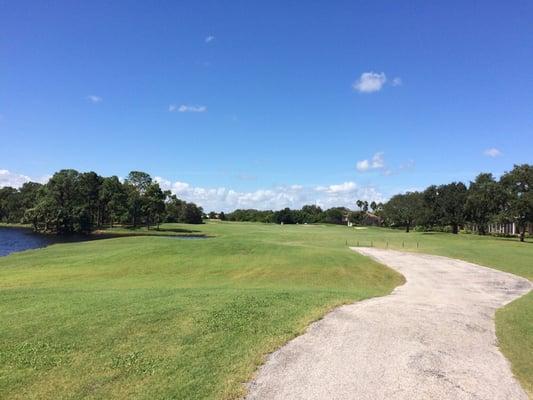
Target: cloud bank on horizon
[292, 196]
[225, 199]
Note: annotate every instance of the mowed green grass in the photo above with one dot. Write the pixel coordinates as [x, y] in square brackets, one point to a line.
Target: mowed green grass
[161, 318]
[157, 317]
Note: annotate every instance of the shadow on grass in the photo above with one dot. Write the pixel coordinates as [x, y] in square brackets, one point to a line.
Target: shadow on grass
[141, 229]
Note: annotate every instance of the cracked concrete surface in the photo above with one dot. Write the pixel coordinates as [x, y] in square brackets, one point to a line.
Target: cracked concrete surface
[432, 338]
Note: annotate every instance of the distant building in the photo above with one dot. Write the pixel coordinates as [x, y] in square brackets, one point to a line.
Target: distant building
[365, 218]
[508, 228]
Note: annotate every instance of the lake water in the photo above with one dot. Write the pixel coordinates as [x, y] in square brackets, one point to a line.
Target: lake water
[20, 239]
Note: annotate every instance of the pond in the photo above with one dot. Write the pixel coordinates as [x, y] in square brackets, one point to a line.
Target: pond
[20, 239]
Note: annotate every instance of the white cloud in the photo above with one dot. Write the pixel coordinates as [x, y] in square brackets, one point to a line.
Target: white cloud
[492, 152]
[186, 108]
[172, 108]
[370, 82]
[363, 165]
[95, 99]
[209, 38]
[8, 178]
[12, 179]
[408, 165]
[293, 196]
[377, 162]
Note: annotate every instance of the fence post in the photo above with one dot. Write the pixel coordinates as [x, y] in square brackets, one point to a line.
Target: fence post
[417, 245]
[403, 244]
[387, 245]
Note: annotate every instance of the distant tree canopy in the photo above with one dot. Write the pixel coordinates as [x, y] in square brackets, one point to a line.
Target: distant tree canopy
[82, 202]
[403, 210]
[485, 201]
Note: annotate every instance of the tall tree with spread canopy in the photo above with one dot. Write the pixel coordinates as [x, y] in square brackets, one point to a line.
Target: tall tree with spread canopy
[518, 184]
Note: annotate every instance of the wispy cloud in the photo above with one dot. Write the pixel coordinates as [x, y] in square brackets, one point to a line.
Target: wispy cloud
[370, 82]
[209, 39]
[397, 82]
[408, 165]
[492, 152]
[172, 108]
[94, 99]
[186, 108]
[294, 196]
[376, 162]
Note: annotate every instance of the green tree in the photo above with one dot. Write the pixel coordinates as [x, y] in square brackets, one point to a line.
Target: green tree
[136, 185]
[154, 205]
[61, 207]
[141, 181]
[403, 209]
[191, 214]
[285, 216]
[518, 184]
[89, 186]
[29, 194]
[451, 199]
[9, 204]
[484, 201]
[174, 207]
[113, 200]
[444, 205]
[334, 215]
[311, 213]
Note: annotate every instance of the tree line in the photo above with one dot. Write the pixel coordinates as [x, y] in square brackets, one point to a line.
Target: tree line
[486, 200]
[80, 202]
[308, 214]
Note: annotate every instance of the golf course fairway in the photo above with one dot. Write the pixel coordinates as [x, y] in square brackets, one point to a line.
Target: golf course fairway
[159, 317]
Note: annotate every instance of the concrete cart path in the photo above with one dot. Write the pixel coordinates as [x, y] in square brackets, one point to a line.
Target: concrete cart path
[432, 338]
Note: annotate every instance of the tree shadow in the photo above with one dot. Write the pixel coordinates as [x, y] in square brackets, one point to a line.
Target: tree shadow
[177, 230]
[141, 229]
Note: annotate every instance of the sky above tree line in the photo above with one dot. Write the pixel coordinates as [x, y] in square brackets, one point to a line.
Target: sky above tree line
[267, 104]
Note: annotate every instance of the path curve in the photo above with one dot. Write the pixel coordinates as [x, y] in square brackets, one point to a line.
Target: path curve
[432, 338]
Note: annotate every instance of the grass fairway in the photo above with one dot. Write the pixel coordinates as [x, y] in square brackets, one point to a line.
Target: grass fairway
[158, 317]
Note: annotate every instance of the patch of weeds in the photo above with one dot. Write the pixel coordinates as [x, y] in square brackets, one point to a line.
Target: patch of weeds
[134, 363]
[35, 355]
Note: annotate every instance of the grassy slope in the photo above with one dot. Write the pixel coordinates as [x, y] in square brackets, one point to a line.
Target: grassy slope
[154, 317]
[164, 318]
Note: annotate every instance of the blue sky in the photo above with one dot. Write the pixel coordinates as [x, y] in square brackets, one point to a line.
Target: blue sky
[267, 104]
